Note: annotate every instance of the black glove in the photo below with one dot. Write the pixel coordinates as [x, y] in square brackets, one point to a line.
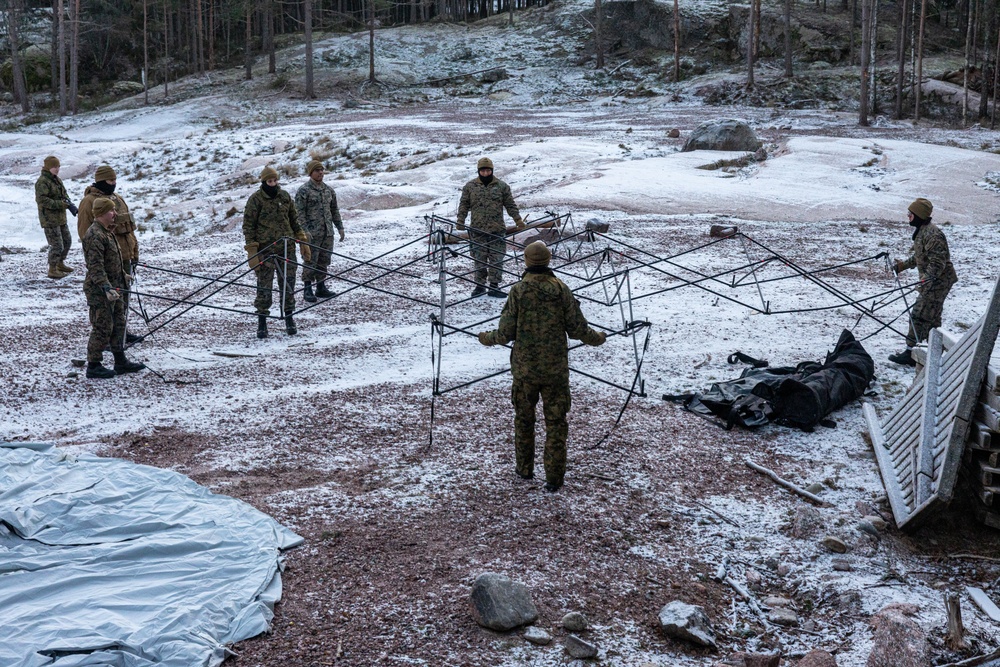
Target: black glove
[72, 207]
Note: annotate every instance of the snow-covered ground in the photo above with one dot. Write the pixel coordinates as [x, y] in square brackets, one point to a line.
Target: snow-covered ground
[329, 430]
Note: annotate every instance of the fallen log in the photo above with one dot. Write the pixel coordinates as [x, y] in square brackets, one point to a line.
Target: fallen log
[788, 485]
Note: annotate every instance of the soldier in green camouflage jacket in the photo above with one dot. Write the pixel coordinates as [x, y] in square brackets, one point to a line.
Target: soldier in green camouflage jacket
[316, 203]
[540, 313]
[931, 258]
[485, 198]
[52, 200]
[269, 217]
[105, 285]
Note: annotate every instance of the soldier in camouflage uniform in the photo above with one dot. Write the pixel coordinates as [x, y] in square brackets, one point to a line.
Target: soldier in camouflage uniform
[932, 260]
[105, 182]
[52, 200]
[269, 216]
[316, 204]
[486, 197]
[540, 313]
[104, 286]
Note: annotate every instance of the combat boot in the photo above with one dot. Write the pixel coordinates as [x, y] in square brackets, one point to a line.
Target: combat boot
[903, 358]
[96, 371]
[262, 326]
[132, 339]
[55, 273]
[480, 289]
[290, 326]
[123, 365]
[495, 291]
[552, 487]
[307, 293]
[321, 290]
[65, 269]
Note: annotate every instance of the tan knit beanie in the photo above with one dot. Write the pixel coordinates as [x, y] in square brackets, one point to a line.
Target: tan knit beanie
[105, 173]
[102, 205]
[51, 162]
[268, 174]
[313, 166]
[537, 254]
[484, 163]
[922, 208]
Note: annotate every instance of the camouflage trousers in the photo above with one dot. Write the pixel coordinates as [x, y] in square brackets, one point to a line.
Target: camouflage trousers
[315, 268]
[277, 266]
[59, 242]
[555, 406]
[926, 314]
[107, 322]
[488, 252]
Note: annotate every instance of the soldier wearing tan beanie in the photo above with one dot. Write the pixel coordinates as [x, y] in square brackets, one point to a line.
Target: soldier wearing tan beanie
[540, 313]
[53, 202]
[930, 256]
[319, 215]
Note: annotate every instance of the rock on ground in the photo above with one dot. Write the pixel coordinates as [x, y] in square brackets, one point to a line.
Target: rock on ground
[579, 648]
[574, 621]
[817, 659]
[501, 604]
[899, 641]
[723, 135]
[537, 636]
[688, 622]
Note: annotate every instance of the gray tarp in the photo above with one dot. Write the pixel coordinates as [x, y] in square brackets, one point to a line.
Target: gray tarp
[104, 562]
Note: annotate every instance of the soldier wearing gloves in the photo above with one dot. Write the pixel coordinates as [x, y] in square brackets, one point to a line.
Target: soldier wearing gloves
[105, 182]
[105, 286]
[486, 197]
[316, 204]
[53, 202]
[932, 260]
[540, 313]
[268, 217]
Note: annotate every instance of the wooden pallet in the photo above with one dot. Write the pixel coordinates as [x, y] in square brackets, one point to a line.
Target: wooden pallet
[919, 445]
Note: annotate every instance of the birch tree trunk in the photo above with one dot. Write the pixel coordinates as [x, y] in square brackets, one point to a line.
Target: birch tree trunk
[904, 23]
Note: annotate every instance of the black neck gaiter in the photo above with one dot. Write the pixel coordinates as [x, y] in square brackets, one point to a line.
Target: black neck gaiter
[105, 187]
[917, 223]
[486, 180]
[270, 190]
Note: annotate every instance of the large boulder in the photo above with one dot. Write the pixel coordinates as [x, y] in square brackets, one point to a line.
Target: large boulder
[899, 641]
[501, 604]
[688, 622]
[817, 658]
[723, 135]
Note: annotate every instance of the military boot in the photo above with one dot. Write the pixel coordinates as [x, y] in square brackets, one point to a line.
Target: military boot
[321, 290]
[123, 365]
[480, 289]
[96, 371]
[132, 339]
[55, 273]
[552, 487]
[495, 291]
[262, 326]
[307, 293]
[290, 326]
[65, 269]
[903, 358]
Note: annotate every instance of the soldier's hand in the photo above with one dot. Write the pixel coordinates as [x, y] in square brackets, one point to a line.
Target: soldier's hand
[519, 223]
[306, 253]
[72, 208]
[898, 267]
[484, 338]
[601, 338]
[111, 295]
[341, 234]
[460, 226]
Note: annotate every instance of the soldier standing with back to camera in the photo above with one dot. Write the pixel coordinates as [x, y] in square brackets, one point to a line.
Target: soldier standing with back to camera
[53, 202]
[316, 203]
[105, 182]
[486, 197]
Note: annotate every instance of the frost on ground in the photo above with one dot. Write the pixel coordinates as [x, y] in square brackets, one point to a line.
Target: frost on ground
[330, 431]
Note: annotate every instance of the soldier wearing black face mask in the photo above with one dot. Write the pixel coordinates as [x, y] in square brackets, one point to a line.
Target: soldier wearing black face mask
[105, 181]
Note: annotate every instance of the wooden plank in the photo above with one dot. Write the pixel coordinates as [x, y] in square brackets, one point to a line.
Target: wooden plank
[889, 479]
[986, 495]
[984, 602]
[985, 473]
[988, 416]
[982, 437]
[989, 397]
[986, 515]
[923, 472]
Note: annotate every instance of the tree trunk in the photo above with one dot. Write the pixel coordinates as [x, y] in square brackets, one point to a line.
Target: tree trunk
[54, 50]
[166, 49]
[200, 36]
[996, 83]
[599, 33]
[677, 41]
[371, 41]
[788, 39]
[74, 60]
[873, 52]
[16, 68]
[853, 51]
[145, 51]
[968, 64]
[865, 55]
[307, 20]
[62, 59]
[751, 29]
[247, 45]
[919, 83]
[904, 23]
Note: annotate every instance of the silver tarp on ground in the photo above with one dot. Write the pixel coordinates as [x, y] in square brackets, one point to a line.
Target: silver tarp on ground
[104, 562]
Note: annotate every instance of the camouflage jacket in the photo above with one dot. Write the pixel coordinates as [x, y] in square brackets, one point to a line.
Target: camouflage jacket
[124, 224]
[316, 205]
[931, 258]
[104, 264]
[540, 312]
[486, 203]
[51, 197]
[267, 219]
